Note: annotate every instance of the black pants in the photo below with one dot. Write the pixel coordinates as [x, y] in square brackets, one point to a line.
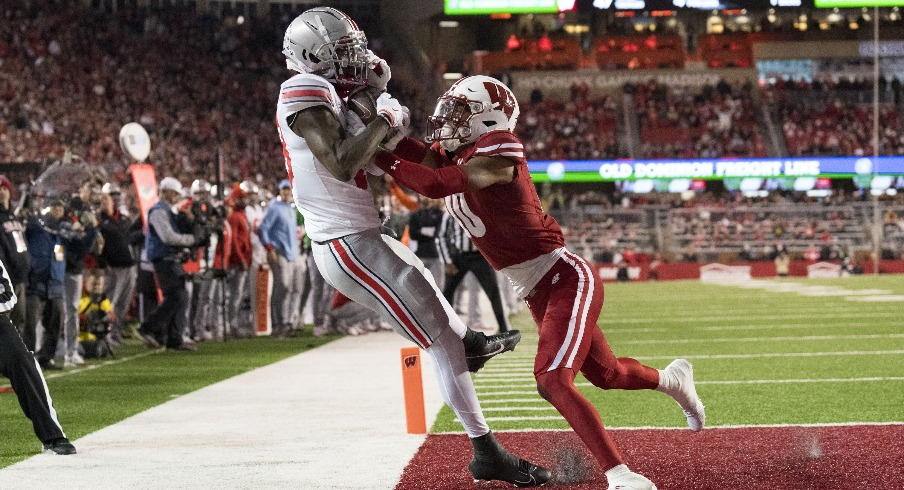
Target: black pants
[164, 322]
[50, 313]
[17, 364]
[476, 264]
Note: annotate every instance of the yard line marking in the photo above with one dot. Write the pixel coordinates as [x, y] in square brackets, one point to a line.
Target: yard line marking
[514, 400]
[814, 380]
[488, 392]
[89, 367]
[761, 339]
[517, 409]
[708, 427]
[787, 354]
[519, 368]
[518, 419]
[814, 290]
[890, 297]
[776, 326]
[723, 318]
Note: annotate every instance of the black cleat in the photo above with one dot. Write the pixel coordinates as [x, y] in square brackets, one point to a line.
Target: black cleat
[480, 348]
[506, 467]
[60, 446]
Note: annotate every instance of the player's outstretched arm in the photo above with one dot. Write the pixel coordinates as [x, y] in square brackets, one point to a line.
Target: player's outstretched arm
[414, 151]
[343, 155]
[437, 183]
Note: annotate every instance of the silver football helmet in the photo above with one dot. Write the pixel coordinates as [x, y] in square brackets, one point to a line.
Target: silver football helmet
[326, 42]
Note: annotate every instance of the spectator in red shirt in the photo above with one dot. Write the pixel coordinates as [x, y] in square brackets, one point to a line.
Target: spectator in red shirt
[239, 261]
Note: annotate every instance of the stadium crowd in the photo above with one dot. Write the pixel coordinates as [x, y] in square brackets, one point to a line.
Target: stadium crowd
[710, 122]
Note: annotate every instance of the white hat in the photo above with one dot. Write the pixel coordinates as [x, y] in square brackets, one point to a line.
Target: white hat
[171, 184]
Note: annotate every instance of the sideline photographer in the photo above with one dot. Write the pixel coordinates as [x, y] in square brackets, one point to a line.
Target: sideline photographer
[165, 247]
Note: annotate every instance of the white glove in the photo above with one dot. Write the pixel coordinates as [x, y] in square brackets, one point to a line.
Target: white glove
[378, 72]
[389, 109]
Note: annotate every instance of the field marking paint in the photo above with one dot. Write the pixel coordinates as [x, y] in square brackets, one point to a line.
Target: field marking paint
[891, 297]
[813, 380]
[708, 427]
[814, 290]
[486, 392]
[511, 367]
[91, 367]
[723, 318]
[495, 373]
[515, 367]
[513, 400]
[762, 339]
[518, 409]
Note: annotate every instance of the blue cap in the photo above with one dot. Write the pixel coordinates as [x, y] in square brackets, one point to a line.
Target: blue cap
[285, 184]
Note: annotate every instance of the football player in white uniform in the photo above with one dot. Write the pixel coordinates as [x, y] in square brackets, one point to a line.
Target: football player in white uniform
[326, 166]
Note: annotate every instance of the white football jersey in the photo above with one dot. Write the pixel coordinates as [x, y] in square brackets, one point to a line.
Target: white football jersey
[331, 208]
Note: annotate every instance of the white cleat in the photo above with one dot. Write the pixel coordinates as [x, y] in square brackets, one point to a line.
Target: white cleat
[621, 478]
[685, 393]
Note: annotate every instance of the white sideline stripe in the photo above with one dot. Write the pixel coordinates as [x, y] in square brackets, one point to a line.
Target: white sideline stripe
[762, 339]
[519, 409]
[91, 367]
[519, 368]
[714, 427]
[815, 380]
[513, 400]
[757, 326]
[723, 318]
[485, 392]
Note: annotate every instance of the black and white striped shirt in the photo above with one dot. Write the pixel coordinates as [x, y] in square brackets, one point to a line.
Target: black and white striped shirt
[452, 239]
[7, 293]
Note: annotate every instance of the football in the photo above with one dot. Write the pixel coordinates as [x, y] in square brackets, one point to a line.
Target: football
[363, 102]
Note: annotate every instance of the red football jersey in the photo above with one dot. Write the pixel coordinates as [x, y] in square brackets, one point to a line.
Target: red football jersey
[505, 221]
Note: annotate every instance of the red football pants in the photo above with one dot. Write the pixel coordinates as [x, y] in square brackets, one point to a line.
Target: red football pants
[566, 304]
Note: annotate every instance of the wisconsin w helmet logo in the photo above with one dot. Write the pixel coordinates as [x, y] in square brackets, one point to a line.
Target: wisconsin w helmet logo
[501, 98]
[410, 362]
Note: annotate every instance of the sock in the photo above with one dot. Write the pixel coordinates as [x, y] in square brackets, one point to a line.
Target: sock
[667, 382]
[448, 355]
[617, 471]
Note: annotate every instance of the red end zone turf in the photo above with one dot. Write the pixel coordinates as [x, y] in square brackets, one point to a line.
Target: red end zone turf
[818, 458]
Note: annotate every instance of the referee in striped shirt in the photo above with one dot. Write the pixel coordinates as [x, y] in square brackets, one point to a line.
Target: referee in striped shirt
[461, 256]
[18, 364]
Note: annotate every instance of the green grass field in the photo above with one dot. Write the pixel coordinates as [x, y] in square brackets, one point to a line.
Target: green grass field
[108, 392]
[760, 357]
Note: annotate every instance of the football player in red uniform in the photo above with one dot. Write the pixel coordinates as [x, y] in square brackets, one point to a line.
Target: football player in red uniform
[478, 165]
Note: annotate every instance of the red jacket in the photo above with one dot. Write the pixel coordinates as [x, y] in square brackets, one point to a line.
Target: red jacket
[240, 255]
